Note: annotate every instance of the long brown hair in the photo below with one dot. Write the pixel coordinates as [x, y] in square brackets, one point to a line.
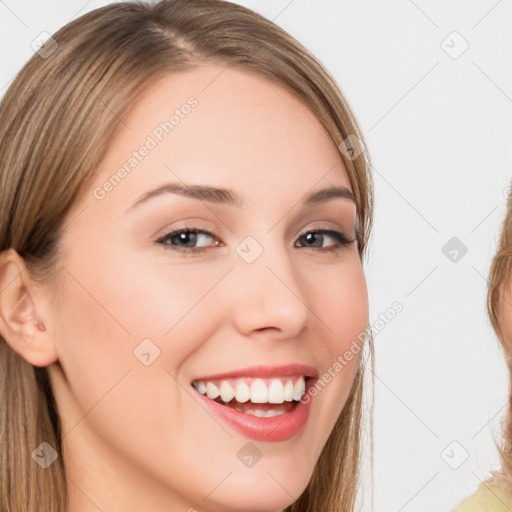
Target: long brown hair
[498, 304]
[57, 120]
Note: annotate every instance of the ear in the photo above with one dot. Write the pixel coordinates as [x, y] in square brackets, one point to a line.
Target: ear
[19, 324]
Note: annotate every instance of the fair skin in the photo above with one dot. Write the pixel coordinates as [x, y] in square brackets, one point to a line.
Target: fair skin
[136, 437]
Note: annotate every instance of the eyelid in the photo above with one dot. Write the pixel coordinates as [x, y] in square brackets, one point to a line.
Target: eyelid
[322, 228]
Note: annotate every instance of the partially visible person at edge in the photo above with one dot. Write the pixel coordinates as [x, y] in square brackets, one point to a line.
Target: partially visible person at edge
[495, 494]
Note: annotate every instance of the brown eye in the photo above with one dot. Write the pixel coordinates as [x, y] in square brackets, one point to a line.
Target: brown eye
[187, 240]
[316, 239]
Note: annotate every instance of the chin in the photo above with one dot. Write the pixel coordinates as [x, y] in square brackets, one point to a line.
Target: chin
[266, 489]
[256, 501]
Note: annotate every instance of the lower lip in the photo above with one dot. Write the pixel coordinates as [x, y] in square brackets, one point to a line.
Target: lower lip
[275, 428]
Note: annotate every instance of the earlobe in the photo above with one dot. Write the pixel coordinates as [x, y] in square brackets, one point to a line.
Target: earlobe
[19, 325]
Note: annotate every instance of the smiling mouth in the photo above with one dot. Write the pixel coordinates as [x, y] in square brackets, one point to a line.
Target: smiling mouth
[263, 398]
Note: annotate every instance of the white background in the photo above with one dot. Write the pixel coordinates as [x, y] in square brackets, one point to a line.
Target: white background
[439, 132]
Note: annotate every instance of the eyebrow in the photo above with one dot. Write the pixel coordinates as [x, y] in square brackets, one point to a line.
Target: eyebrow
[226, 196]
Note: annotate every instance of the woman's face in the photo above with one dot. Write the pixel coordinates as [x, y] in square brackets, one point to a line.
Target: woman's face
[144, 320]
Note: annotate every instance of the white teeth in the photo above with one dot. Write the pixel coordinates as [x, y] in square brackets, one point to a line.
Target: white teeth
[299, 389]
[243, 393]
[257, 413]
[201, 387]
[263, 414]
[269, 414]
[227, 393]
[259, 391]
[212, 390]
[276, 392]
[288, 391]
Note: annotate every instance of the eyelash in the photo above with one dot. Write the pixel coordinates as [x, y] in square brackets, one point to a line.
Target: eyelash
[342, 240]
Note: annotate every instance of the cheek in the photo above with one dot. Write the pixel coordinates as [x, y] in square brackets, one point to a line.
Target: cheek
[342, 307]
[109, 306]
[137, 295]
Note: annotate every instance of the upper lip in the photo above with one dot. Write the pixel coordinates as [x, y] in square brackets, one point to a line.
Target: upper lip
[265, 372]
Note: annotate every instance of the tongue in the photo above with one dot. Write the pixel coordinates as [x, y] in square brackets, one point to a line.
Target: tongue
[249, 406]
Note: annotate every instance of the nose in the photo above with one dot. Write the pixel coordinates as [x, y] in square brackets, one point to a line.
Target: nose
[270, 295]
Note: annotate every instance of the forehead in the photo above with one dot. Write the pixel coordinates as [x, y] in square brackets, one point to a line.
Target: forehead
[221, 125]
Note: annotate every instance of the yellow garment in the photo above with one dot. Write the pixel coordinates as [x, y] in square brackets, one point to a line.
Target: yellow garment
[487, 498]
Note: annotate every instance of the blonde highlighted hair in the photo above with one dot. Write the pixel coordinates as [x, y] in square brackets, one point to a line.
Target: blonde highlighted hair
[57, 120]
